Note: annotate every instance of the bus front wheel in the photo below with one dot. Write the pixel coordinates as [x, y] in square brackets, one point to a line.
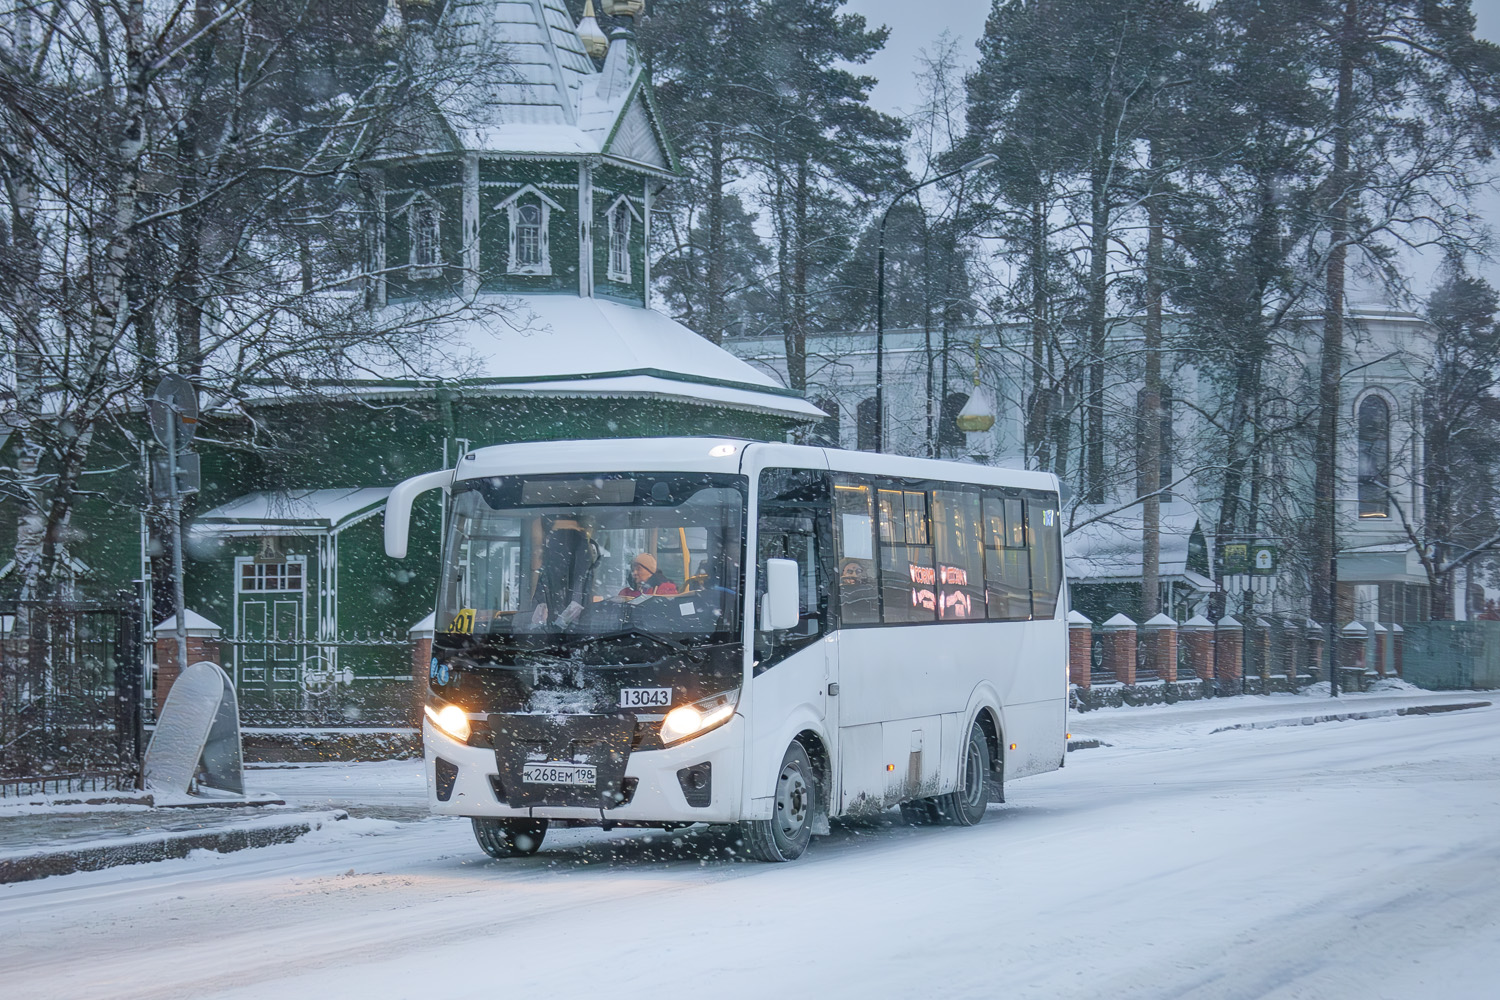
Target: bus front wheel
[965, 805]
[509, 838]
[785, 835]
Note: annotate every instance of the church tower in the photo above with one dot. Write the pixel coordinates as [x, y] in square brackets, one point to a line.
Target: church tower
[536, 177]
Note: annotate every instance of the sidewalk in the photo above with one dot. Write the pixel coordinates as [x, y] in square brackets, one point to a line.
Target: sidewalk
[1199, 719]
[35, 844]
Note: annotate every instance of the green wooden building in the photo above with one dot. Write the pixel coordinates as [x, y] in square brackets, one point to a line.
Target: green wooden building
[528, 227]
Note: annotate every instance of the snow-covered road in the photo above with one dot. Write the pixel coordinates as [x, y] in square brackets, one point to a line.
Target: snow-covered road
[1357, 859]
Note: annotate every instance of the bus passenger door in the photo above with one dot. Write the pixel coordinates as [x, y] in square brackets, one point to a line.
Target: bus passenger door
[794, 669]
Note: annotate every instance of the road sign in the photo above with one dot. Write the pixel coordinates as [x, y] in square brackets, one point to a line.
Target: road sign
[1234, 558]
[1263, 560]
[173, 410]
[188, 472]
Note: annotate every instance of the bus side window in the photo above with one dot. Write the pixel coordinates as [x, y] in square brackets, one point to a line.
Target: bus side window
[956, 539]
[1007, 569]
[793, 523]
[854, 534]
[908, 578]
[1044, 531]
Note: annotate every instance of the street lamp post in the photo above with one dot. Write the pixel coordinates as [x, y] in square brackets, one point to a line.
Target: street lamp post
[983, 161]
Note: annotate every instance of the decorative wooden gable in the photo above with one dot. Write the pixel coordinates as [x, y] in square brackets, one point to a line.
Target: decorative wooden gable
[636, 136]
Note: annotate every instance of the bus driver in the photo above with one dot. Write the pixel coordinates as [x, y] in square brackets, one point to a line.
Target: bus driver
[645, 578]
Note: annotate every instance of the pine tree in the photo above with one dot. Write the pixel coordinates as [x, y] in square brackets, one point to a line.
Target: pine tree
[820, 149]
[703, 56]
[1460, 476]
[1415, 109]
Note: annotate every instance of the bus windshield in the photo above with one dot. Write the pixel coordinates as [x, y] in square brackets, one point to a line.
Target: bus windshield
[571, 561]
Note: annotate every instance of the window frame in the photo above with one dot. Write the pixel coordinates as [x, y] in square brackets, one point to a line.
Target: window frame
[1009, 498]
[527, 197]
[1367, 483]
[243, 563]
[618, 265]
[424, 232]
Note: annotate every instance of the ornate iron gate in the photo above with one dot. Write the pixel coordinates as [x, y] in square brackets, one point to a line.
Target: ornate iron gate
[70, 695]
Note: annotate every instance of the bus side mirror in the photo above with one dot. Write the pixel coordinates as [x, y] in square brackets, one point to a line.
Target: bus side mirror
[398, 508]
[780, 608]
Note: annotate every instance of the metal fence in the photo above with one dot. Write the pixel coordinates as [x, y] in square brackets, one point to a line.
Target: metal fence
[1452, 655]
[70, 696]
[354, 680]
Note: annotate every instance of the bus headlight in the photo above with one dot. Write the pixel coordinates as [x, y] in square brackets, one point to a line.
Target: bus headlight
[451, 720]
[699, 717]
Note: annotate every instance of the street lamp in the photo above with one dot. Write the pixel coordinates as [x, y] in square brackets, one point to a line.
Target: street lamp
[984, 161]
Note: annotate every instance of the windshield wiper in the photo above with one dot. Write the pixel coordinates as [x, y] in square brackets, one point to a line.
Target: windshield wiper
[694, 652]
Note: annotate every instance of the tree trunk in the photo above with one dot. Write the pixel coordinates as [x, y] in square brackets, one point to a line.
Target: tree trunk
[794, 323]
[1324, 548]
[1150, 416]
[1437, 517]
[21, 191]
[1038, 417]
[928, 354]
[111, 311]
[1093, 439]
[715, 315]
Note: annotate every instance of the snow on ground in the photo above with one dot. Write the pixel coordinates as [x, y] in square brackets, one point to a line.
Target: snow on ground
[394, 789]
[1352, 859]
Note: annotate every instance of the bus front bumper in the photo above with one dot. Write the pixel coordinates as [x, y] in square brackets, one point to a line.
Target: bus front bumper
[659, 795]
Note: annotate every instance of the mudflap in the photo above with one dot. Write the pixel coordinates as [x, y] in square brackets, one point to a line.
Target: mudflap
[602, 741]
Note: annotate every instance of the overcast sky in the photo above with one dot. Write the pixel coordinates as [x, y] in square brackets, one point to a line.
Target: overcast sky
[916, 25]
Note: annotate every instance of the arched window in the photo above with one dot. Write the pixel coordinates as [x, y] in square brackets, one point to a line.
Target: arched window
[867, 427]
[619, 218]
[1374, 434]
[425, 225]
[950, 439]
[529, 211]
[528, 235]
[827, 432]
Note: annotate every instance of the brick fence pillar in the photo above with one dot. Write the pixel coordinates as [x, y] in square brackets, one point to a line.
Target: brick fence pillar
[1119, 648]
[420, 635]
[1261, 658]
[1229, 653]
[1291, 650]
[1160, 634]
[202, 644]
[1352, 640]
[1197, 637]
[1397, 639]
[1080, 649]
[1382, 643]
[1312, 644]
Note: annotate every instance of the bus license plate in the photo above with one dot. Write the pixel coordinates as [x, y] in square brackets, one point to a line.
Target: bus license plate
[585, 775]
[645, 697]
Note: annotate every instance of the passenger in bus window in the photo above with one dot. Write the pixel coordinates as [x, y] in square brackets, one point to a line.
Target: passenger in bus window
[858, 600]
[565, 578]
[647, 579]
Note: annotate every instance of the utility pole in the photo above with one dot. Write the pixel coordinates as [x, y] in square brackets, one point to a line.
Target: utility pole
[173, 412]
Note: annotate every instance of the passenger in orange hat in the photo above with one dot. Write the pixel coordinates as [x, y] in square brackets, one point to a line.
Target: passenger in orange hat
[646, 579]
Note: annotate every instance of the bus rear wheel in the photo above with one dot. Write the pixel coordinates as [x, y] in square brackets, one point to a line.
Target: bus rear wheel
[785, 835]
[965, 805]
[509, 838]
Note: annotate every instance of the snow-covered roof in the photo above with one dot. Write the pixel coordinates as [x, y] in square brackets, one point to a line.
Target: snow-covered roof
[292, 512]
[197, 625]
[1109, 550]
[548, 99]
[566, 344]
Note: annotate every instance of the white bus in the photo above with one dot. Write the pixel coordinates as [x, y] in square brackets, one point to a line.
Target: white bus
[669, 631]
